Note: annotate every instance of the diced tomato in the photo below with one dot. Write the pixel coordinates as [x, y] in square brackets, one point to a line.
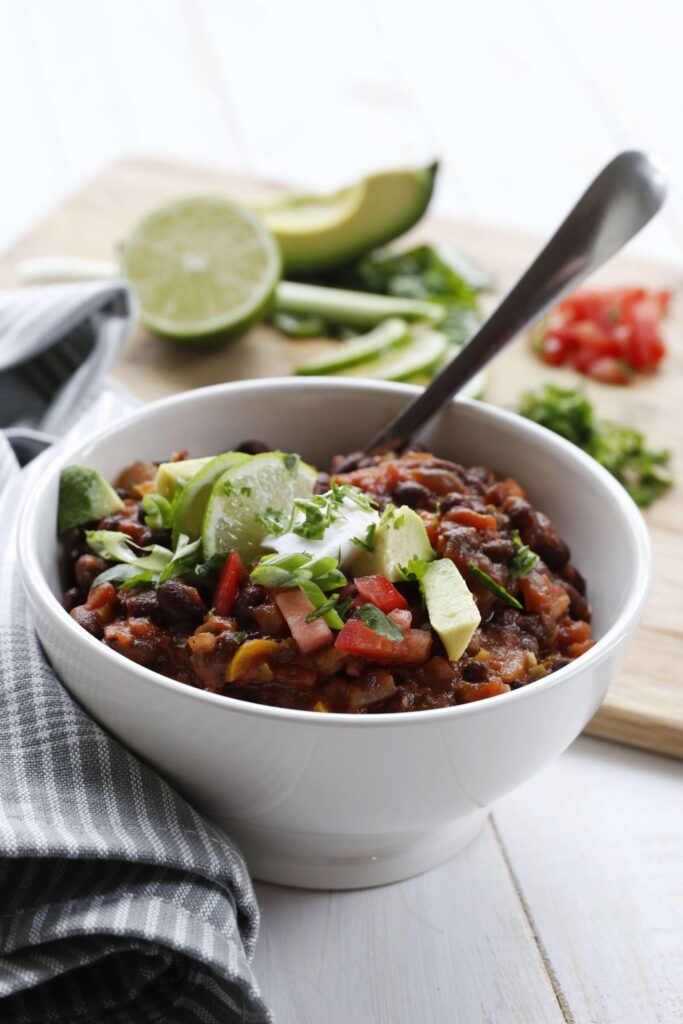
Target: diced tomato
[229, 579]
[358, 639]
[553, 350]
[295, 607]
[467, 517]
[609, 370]
[99, 596]
[379, 591]
[403, 617]
[605, 334]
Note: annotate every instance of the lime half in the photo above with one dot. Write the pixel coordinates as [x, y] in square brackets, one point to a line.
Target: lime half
[201, 266]
[272, 481]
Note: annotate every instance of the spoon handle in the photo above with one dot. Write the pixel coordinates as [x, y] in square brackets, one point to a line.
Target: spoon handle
[626, 194]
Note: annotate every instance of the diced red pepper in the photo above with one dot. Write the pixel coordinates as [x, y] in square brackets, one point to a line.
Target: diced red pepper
[295, 607]
[228, 582]
[378, 590]
[358, 639]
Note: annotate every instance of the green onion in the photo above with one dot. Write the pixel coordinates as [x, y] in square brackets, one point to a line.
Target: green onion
[159, 512]
[494, 587]
[523, 560]
[353, 309]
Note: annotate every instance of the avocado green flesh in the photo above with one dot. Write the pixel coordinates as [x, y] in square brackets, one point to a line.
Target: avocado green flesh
[452, 611]
[84, 496]
[324, 232]
[170, 474]
[400, 538]
[389, 335]
[421, 355]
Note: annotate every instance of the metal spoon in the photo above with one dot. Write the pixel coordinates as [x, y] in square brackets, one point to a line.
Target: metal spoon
[620, 201]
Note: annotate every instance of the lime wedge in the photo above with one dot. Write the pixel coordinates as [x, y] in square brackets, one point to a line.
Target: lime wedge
[420, 355]
[201, 266]
[320, 232]
[389, 335]
[273, 480]
[171, 475]
[191, 503]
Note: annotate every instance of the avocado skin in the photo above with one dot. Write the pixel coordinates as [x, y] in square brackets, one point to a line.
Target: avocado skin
[347, 242]
[84, 496]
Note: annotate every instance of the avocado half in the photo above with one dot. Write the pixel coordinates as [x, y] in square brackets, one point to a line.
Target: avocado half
[322, 232]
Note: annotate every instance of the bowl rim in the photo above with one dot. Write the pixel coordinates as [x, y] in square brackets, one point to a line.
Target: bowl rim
[31, 570]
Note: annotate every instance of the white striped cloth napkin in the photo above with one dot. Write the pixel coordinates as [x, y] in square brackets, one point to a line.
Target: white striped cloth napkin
[119, 904]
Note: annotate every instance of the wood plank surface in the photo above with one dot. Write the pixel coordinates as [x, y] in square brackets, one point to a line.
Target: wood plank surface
[645, 706]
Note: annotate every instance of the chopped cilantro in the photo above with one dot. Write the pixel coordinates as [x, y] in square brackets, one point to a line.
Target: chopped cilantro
[414, 570]
[379, 622]
[523, 560]
[274, 521]
[644, 472]
[494, 587]
[367, 543]
[292, 463]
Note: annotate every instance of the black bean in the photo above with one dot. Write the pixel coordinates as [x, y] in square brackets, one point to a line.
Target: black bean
[475, 672]
[180, 603]
[88, 620]
[407, 492]
[140, 603]
[72, 598]
[249, 596]
[499, 550]
[253, 448]
[86, 569]
[579, 607]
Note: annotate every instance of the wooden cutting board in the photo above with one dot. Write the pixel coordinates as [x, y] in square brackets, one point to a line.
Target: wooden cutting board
[645, 706]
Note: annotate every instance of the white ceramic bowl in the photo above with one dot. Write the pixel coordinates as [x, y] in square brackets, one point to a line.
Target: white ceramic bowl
[328, 800]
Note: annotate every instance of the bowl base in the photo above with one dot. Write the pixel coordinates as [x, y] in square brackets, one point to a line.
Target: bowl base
[308, 860]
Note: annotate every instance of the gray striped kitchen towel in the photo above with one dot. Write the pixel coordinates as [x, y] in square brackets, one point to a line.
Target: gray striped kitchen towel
[118, 903]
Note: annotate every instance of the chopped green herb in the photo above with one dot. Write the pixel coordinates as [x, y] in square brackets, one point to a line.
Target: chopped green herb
[292, 463]
[230, 489]
[211, 567]
[644, 473]
[240, 637]
[379, 622]
[523, 560]
[494, 587]
[139, 579]
[159, 512]
[183, 560]
[414, 570]
[117, 574]
[274, 521]
[369, 537]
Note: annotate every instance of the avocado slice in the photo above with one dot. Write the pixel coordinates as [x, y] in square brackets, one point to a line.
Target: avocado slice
[321, 232]
[400, 538]
[422, 354]
[385, 337]
[84, 496]
[170, 474]
[452, 611]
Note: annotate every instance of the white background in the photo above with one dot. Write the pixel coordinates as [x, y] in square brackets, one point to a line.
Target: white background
[569, 907]
[522, 100]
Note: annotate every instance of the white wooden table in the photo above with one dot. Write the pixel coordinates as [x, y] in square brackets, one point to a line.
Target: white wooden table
[569, 906]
